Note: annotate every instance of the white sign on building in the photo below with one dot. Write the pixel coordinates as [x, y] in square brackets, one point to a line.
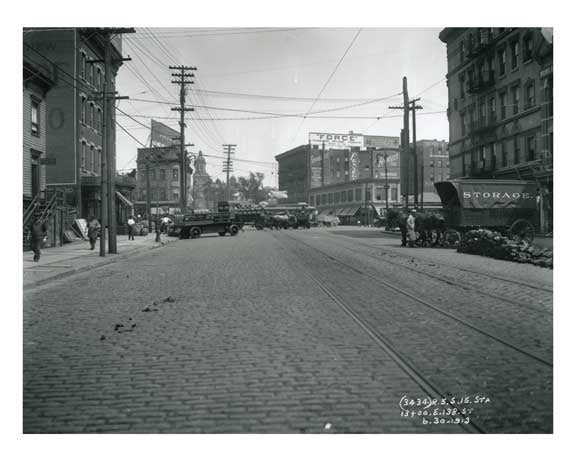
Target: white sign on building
[336, 141]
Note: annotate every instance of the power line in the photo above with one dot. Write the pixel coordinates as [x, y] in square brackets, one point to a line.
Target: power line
[327, 81]
[249, 111]
[343, 117]
[142, 36]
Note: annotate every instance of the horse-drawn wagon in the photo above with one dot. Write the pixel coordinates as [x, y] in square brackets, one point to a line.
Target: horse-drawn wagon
[506, 206]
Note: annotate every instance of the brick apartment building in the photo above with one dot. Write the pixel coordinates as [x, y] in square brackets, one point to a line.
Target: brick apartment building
[74, 113]
[500, 107]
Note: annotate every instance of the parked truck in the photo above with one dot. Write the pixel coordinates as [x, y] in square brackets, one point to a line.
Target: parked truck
[194, 225]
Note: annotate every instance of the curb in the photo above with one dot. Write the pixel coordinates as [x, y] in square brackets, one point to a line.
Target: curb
[97, 265]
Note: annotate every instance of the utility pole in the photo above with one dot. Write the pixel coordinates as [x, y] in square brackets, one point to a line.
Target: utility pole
[413, 108]
[182, 79]
[227, 166]
[409, 105]
[405, 133]
[108, 173]
[148, 199]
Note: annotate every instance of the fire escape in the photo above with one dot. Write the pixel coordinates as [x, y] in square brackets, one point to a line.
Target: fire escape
[482, 130]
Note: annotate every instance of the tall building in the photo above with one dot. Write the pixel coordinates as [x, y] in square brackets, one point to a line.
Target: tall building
[500, 106]
[74, 111]
[352, 176]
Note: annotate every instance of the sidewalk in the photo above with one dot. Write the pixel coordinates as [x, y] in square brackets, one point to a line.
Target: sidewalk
[76, 257]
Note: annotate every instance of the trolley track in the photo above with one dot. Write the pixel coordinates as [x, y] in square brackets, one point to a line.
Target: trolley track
[433, 349]
[427, 304]
[452, 281]
[419, 377]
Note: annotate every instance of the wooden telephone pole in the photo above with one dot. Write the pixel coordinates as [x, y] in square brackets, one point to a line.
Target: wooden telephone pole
[227, 166]
[407, 107]
[182, 79]
[107, 161]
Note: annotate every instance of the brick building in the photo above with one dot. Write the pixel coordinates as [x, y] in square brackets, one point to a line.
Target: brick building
[433, 166]
[163, 164]
[74, 113]
[500, 106]
[352, 176]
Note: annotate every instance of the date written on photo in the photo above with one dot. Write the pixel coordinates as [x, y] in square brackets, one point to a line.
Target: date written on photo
[447, 410]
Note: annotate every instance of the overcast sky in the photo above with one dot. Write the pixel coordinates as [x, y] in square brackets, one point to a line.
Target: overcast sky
[279, 71]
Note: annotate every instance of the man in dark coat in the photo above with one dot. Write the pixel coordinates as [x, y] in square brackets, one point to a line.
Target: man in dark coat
[38, 231]
[93, 231]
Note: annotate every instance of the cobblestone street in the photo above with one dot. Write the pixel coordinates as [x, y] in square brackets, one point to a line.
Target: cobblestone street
[311, 331]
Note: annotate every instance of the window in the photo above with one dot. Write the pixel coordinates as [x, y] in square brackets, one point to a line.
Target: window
[162, 174]
[379, 193]
[162, 194]
[35, 117]
[343, 196]
[324, 199]
[462, 51]
[317, 200]
[516, 147]
[502, 97]
[504, 154]
[502, 61]
[515, 99]
[99, 120]
[482, 112]
[515, 48]
[90, 159]
[463, 123]
[357, 195]
[175, 196]
[350, 196]
[331, 197]
[98, 161]
[83, 153]
[492, 108]
[83, 65]
[175, 174]
[462, 79]
[439, 163]
[336, 197]
[528, 47]
[530, 95]
[92, 115]
[153, 173]
[83, 109]
[99, 79]
[91, 73]
[432, 163]
[530, 148]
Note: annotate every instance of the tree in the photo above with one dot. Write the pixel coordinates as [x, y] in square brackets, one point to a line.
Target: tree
[251, 187]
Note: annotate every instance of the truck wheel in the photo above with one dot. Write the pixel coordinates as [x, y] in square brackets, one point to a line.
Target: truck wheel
[222, 234]
[233, 229]
[195, 232]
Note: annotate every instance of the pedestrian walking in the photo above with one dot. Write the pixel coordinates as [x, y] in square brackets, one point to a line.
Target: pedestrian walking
[93, 231]
[411, 228]
[38, 232]
[131, 223]
[164, 224]
[158, 233]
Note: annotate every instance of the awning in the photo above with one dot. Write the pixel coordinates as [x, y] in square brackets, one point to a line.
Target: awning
[348, 211]
[124, 200]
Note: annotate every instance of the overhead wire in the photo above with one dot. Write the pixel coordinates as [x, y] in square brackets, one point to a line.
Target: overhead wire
[327, 82]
